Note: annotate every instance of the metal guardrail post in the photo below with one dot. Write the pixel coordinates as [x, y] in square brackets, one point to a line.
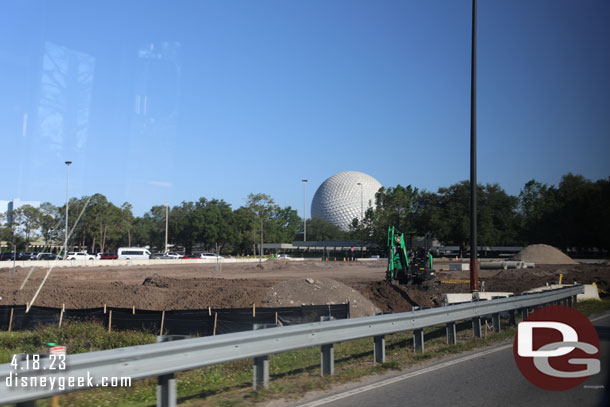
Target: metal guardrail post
[476, 327]
[524, 313]
[166, 384]
[511, 318]
[166, 391]
[569, 299]
[260, 373]
[379, 349]
[451, 333]
[327, 359]
[496, 322]
[418, 340]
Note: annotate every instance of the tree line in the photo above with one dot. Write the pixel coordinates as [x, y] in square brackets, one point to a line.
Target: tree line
[573, 214]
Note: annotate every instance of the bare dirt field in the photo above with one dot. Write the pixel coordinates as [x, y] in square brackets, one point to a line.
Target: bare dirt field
[200, 286]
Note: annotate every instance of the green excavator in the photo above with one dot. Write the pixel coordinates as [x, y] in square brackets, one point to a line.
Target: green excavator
[407, 267]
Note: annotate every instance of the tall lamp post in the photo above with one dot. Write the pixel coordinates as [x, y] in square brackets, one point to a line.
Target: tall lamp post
[361, 204]
[474, 263]
[304, 210]
[67, 197]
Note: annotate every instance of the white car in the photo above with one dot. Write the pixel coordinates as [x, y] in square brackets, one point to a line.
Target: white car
[173, 255]
[79, 256]
[210, 256]
[283, 256]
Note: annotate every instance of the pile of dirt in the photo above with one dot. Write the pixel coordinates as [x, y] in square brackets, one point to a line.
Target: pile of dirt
[394, 298]
[307, 291]
[543, 254]
[157, 281]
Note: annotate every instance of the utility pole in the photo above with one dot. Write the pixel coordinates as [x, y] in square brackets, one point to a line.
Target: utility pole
[474, 263]
[67, 202]
[260, 252]
[304, 210]
[166, 223]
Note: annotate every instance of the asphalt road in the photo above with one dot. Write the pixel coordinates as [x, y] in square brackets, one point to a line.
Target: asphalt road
[485, 378]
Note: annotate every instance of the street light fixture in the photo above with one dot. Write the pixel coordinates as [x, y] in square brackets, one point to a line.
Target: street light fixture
[67, 196]
[304, 210]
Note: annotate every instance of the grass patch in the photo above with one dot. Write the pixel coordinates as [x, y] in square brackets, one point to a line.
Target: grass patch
[78, 337]
[591, 307]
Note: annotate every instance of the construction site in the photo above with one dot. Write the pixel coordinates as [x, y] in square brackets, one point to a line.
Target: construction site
[283, 283]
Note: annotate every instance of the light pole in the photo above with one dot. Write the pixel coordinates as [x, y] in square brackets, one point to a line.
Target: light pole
[304, 210]
[67, 197]
[361, 204]
[474, 262]
[166, 223]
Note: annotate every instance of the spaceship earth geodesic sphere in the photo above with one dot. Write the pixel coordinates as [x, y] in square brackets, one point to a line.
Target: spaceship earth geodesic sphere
[339, 200]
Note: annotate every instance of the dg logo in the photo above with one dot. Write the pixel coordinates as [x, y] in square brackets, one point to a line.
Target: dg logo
[557, 348]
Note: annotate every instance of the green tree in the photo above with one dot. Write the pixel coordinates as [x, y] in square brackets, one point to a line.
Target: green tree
[50, 222]
[263, 206]
[28, 219]
[127, 220]
[321, 230]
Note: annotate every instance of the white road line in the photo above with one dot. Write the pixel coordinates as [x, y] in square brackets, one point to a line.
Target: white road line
[382, 383]
[602, 317]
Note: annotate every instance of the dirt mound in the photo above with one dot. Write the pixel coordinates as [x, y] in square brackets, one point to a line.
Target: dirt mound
[543, 254]
[157, 281]
[393, 298]
[307, 291]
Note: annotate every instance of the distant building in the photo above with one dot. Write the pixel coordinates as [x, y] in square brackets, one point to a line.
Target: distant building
[15, 204]
[344, 197]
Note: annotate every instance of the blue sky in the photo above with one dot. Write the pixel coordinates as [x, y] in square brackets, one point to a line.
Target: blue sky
[172, 101]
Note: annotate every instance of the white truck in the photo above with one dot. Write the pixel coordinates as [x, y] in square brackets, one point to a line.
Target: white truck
[133, 253]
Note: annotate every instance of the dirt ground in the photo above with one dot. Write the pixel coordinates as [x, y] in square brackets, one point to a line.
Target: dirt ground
[200, 286]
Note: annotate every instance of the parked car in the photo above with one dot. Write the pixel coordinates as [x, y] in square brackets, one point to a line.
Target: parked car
[106, 256]
[80, 256]
[47, 256]
[191, 256]
[9, 256]
[159, 256]
[210, 256]
[173, 255]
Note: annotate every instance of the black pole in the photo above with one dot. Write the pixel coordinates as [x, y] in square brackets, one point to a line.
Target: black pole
[474, 264]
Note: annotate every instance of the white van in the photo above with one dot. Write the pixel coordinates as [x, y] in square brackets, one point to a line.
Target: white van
[133, 253]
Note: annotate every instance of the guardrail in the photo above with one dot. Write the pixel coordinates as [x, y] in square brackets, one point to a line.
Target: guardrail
[165, 359]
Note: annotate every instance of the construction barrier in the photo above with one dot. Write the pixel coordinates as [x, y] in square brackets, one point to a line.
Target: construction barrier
[176, 322]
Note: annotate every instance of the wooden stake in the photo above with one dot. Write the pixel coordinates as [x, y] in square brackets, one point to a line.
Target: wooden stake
[210, 311]
[63, 307]
[215, 320]
[10, 321]
[109, 321]
[133, 309]
[253, 310]
[104, 308]
[61, 317]
[275, 317]
[162, 322]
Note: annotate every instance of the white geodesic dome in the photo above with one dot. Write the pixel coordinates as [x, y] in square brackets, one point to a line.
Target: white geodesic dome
[339, 200]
